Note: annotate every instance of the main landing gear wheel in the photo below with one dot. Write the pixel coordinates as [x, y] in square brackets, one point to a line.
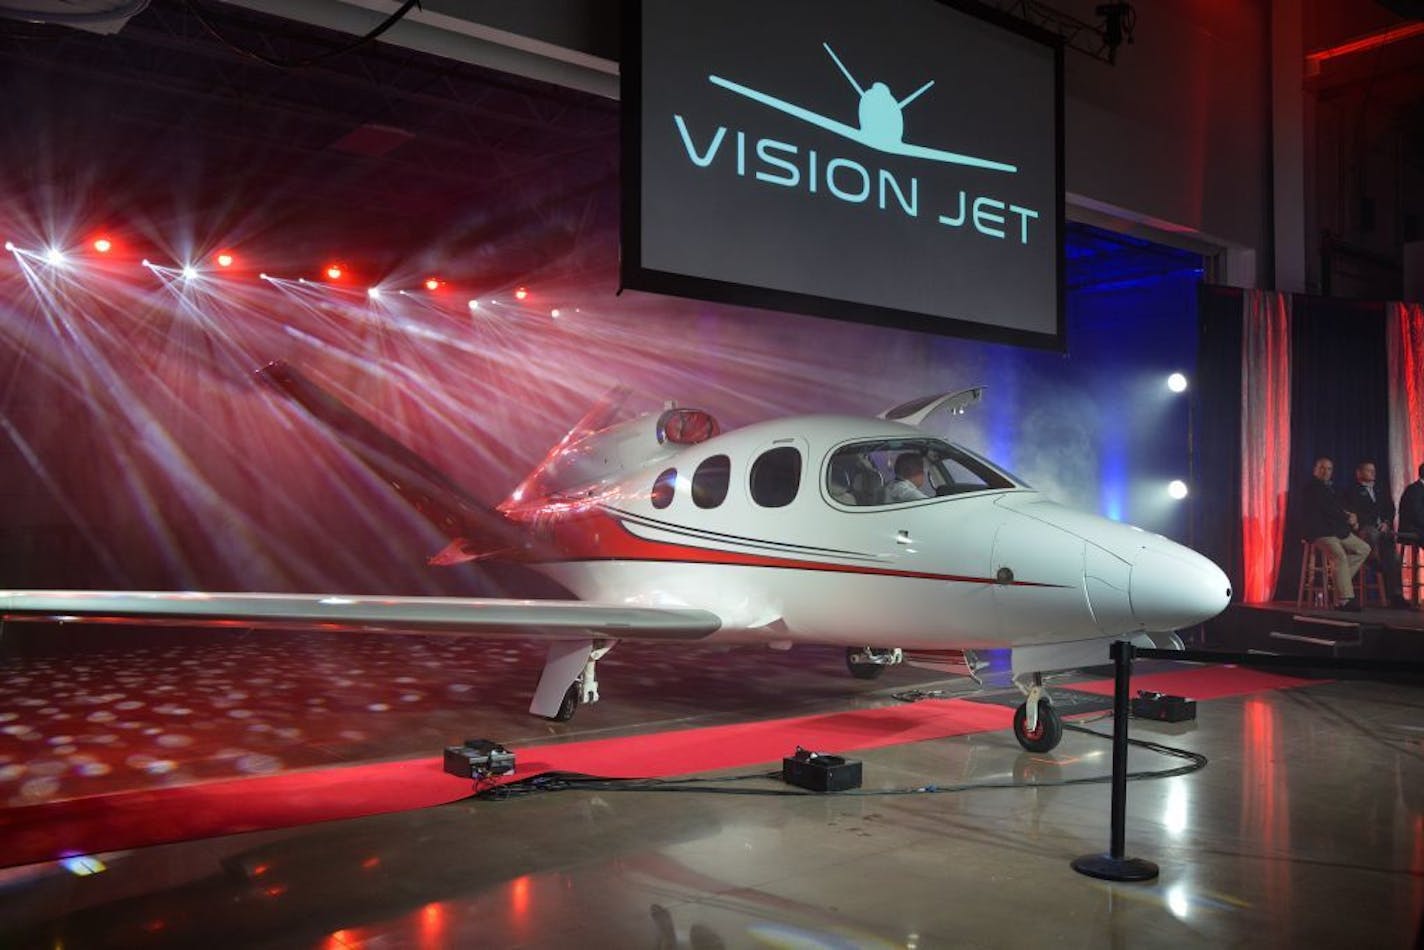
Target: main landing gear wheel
[569, 706]
[1046, 735]
[862, 669]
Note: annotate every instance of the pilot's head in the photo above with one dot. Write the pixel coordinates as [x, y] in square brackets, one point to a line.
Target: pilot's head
[1324, 468]
[911, 467]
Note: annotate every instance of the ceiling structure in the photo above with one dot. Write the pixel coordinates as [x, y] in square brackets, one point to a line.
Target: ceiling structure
[384, 157]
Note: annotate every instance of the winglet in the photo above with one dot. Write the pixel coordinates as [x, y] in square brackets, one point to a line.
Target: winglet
[917, 410]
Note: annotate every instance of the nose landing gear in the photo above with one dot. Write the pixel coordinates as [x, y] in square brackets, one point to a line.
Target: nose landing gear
[1037, 726]
[866, 663]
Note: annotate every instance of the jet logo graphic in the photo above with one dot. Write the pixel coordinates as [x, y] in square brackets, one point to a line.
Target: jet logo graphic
[882, 122]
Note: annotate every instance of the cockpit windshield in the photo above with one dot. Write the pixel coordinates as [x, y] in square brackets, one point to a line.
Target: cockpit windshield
[894, 471]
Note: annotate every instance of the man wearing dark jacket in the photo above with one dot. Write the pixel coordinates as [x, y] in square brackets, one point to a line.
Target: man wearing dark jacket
[1328, 526]
[1411, 507]
[1374, 517]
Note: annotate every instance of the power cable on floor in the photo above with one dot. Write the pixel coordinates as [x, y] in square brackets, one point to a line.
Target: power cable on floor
[570, 781]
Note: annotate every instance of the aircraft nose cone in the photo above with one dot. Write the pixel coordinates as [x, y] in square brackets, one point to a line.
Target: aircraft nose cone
[1176, 587]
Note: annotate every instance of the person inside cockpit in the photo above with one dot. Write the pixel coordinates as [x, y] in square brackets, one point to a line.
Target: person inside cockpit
[840, 481]
[909, 483]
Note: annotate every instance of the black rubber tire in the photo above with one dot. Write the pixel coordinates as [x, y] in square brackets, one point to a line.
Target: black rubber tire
[569, 706]
[1049, 732]
[862, 671]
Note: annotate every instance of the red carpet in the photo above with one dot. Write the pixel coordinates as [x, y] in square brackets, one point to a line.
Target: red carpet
[1203, 682]
[134, 819]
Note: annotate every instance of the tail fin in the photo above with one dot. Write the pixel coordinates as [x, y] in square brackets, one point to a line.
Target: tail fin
[536, 483]
[474, 530]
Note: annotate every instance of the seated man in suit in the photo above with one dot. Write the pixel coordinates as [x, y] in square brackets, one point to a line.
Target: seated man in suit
[1374, 516]
[1328, 526]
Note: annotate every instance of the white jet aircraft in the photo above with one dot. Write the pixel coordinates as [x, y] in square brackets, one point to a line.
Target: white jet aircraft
[797, 530]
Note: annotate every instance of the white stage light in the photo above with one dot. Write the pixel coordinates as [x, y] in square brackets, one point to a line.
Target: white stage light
[263, 276]
[1177, 382]
[1177, 489]
[189, 272]
[374, 293]
[55, 257]
[474, 305]
[554, 314]
[10, 246]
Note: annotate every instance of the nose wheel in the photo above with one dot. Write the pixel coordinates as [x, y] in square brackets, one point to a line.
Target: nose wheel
[1044, 734]
[1037, 726]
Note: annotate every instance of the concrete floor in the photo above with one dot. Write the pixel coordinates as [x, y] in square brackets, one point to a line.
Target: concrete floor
[1306, 829]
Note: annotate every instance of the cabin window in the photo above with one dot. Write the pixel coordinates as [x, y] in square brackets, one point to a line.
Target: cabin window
[663, 488]
[709, 482]
[776, 477]
[897, 471]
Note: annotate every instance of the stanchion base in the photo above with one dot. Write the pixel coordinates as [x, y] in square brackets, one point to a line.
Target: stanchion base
[1109, 868]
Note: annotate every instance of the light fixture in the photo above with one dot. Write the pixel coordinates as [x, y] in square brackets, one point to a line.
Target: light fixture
[474, 305]
[554, 313]
[1177, 383]
[55, 257]
[225, 259]
[1177, 489]
[334, 271]
[189, 272]
[373, 292]
[521, 293]
[432, 283]
[10, 246]
[103, 245]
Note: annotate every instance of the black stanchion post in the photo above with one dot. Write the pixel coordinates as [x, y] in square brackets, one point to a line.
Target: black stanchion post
[1114, 866]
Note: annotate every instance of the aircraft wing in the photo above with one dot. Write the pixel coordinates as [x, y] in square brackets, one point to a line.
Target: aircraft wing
[466, 616]
[856, 134]
[790, 108]
[940, 155]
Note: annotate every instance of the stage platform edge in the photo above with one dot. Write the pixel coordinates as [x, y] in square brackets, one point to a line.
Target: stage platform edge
[1279, 627]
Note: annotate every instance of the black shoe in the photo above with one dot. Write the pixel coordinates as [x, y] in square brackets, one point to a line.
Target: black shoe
[1399, 603]
[1351, 606]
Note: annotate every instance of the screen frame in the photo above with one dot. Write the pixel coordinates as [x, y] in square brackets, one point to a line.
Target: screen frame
[634, 276]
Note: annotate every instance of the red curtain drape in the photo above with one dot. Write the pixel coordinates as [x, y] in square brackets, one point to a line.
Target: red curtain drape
[1404, 331]
[1265, 438]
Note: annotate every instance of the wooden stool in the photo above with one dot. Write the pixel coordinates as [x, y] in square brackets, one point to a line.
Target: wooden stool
[1410, 565]
[1315, 570]
[1373, 583]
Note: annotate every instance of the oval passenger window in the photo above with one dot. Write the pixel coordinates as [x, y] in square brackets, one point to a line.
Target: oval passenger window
[663, 488]
[709, 482]
[776, 477]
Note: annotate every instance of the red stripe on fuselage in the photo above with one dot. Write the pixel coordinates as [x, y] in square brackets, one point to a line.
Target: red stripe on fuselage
[594, 535]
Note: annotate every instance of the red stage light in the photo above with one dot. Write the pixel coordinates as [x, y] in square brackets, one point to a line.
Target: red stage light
[432, 283]
[103, 245]
[334, 271]
[521, 293]
[225, 259]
